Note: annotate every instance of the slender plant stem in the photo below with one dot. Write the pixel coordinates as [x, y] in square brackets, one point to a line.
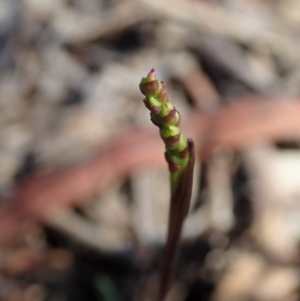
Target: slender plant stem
[180, 158]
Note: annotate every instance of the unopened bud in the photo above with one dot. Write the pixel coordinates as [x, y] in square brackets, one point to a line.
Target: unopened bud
[172, 141]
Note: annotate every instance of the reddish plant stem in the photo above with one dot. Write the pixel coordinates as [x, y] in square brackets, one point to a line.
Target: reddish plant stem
[179, 207]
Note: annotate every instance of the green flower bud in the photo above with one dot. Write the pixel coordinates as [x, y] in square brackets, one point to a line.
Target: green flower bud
[166, 117]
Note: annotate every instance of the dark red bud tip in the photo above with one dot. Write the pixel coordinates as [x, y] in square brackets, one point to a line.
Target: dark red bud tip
[184, 153]
[150, 88]
[151, 73]
[173, 118]
[163, 96]
[154, 121]
[172, 141]
[173, 167]
[170, 117]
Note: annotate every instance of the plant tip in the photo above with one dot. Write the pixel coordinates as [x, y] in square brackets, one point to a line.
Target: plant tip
[151, 73]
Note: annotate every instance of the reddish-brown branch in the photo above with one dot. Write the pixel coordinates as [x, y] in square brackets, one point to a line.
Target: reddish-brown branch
[235, 126]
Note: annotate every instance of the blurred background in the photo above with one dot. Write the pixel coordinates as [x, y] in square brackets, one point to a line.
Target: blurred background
[83, 183]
